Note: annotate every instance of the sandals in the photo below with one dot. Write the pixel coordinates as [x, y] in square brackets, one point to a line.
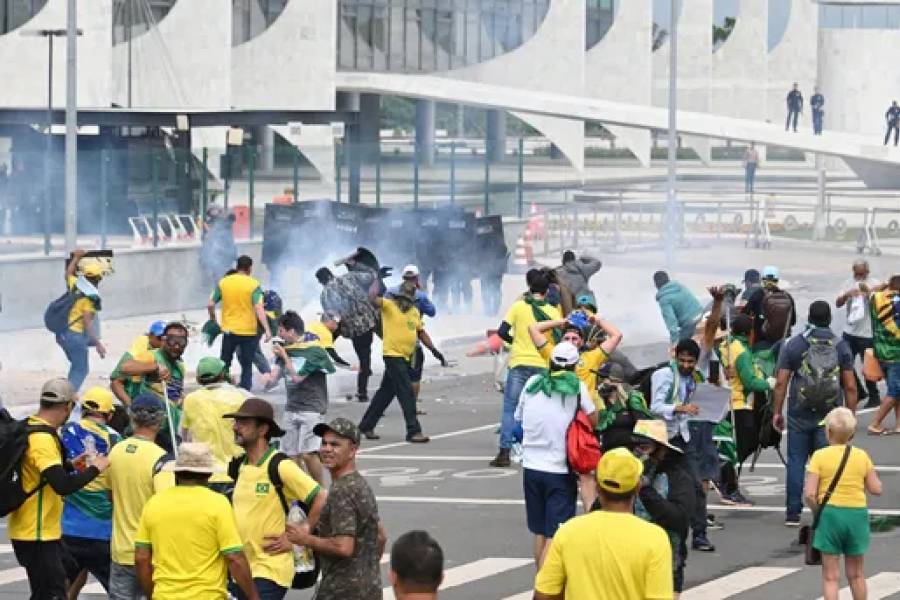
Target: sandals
[872, 430]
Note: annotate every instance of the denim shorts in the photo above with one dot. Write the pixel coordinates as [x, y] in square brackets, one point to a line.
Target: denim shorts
[892, 378]
[550, 500]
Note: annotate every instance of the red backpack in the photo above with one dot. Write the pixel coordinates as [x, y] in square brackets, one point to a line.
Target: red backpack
[582, 446]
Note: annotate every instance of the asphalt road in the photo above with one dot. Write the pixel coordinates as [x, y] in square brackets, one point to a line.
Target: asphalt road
[477, 513]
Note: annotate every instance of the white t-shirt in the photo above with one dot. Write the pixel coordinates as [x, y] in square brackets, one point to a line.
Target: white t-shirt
[862, 327]
[545, 420]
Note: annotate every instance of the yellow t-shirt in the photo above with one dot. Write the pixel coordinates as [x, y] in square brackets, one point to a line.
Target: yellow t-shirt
[140, 346]
[586, 369]
[189, 530]
[259, 513]
[608, 556]
[132, 479]
[522, 352]
[851, 489]
[326, 338]
[201, 415]
[81, 307]
[400, 329]
[239, 294]
[39, 518]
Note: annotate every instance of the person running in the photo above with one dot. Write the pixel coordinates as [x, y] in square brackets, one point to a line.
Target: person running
[885, 315]
[242, 307]
[822, 363]
[187, 536]
[856, 296]
[84, 323]
[417, 566]
[349, 538]
[525, 360]
[575, 274]
[401, 326]
[135, 466]
[35, 527]
[87, 513]
[681, 311]
[201, 417]
[266, 484]
[634, 560]
[305, 367]
[843, 521]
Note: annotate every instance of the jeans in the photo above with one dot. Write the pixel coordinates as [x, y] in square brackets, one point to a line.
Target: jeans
[43, 563]
[804, 437]
[266, 588]
[259, 360]
[818, 117]
[75, 345]
[123, 583]
[793, 115]
[858, 346]
[247, 345]
[515, 381]
[749, 176]
[395, 383]
[362, 345]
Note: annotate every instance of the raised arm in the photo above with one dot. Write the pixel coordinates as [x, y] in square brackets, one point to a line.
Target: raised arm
[72, 265]
[613, 334]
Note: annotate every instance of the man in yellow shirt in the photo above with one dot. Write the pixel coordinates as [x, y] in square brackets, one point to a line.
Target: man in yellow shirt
[134, 476]
[83, 330]
[401, 326]
[242, 307]
[187, 536]
[524, 359]
[201, 417]
[267, 482]
[609, 554]
[35, 526]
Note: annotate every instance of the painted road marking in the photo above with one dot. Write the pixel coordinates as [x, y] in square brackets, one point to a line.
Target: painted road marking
[407, 476]
[882, 585]
[437, 457]
[473, 571]
[522, 596]
[735, 583]
[6, 548]
[12, 575]
[439, 436]
[886, 469]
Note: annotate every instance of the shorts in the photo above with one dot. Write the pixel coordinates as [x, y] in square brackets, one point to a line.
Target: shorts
[550, 500]
[842, 530]
[416, 365]
[701, 452]
[892, 378]
[298, 433]
[87, 554]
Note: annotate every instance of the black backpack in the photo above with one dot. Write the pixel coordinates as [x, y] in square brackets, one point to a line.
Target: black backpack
[778, 310]
[56, 316]
[819, 376]
[301, 581]
[13, 444]
[642, 380]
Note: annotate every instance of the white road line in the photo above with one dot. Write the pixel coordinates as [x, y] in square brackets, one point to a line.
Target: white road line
[12, 575]
[885, 469]
[473, 571]
[882, 585]
[439, 436]
[522, 596]
[735, 583]
[429, 457]
[93, 589]
[6, 548]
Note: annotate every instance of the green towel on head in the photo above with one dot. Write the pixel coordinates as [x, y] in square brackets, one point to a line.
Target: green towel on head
[565, 383]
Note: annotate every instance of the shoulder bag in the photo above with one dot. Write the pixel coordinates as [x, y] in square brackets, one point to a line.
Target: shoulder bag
[808, 532]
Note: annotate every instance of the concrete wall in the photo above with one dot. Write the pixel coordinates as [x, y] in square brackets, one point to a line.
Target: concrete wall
[740, 65]
[795, 59]
[144, 282]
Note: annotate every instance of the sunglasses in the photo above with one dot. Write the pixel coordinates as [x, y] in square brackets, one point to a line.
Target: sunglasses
[177, 340]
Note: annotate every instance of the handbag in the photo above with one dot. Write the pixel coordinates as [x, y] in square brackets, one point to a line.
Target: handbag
[808, 532]
[871, 370]
[582, 446]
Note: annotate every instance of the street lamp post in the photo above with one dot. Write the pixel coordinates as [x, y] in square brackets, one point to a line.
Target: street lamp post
[672, 182]
[71, 124]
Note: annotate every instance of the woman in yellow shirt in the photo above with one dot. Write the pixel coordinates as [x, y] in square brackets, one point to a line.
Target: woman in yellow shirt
[843, 527]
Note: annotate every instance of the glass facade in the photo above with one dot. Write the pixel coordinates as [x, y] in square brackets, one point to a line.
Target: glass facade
[15, 13]
[859, 16]
[420, 36]
[132, 18]
[252, 17]
[600, 14]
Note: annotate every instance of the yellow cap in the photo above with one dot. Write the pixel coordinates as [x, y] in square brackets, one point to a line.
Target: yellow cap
[98, 399]
[619, 471]
[92, 270]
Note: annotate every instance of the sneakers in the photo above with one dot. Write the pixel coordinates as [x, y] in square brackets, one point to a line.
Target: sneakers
[736, 498]
[502, 458]
[418, 438]
[362, 397]
[370, 435]
[792, 521]
[702, 544]
[713, 524]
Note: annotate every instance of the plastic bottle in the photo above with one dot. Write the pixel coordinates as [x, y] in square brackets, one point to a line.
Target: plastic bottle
[90, 446]
[303, 556]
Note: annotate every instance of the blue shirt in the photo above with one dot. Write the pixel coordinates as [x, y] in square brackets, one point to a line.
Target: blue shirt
[88, 512]
[423, 303]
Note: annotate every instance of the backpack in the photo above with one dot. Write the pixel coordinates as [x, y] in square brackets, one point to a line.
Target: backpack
[13, 444]
[272, 302]
[777, 309]
[642, 380]
[301, 580]
[819, 376]
[56, 316]
[582, 445]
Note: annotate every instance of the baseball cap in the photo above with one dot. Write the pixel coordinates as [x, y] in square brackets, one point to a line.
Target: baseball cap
[586, 300]
[210, 367]
[98, 399]
[565, 354]
[339, 426]
[147, 401]
[257, 408]
[92, 270]
[157, 328]
[619, 471]
[193, 457]
[410, 271]
[612, 371]
[58, 390]
[770, 272]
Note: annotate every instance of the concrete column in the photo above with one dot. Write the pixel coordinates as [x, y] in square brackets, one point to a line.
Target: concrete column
[347, 101]
[425, 131]
[266, 148]
[369, 126]
[496, 135]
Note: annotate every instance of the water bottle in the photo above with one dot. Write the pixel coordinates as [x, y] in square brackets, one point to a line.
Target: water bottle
[303, 556]
[90, 446]
[516, 453]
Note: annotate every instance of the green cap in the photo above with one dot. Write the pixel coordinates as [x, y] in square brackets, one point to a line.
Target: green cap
[340, 426]
[210, 367]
